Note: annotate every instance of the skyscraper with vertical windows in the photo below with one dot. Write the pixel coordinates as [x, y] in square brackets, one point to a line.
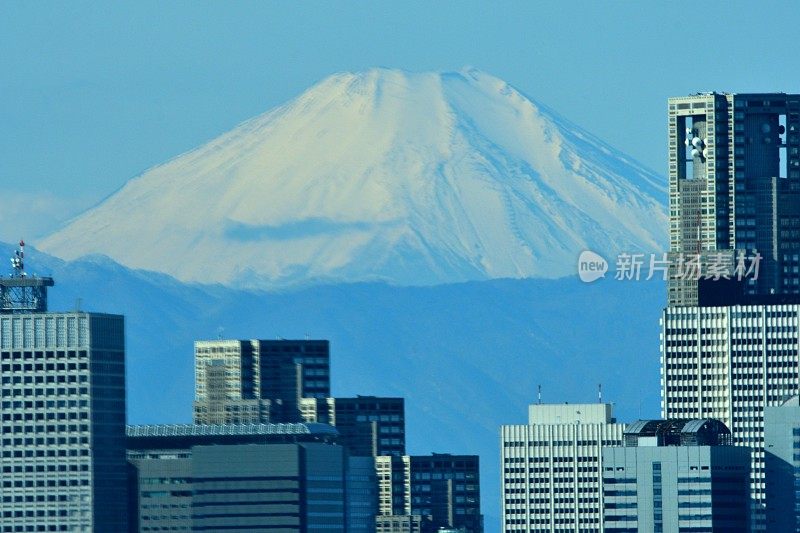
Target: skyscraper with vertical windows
[728, 347]
[552, 468]
[62, 406]
[258, 381]
[248, 477]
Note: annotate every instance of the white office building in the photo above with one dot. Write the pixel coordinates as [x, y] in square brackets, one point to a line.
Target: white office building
[729, 363]
[552, 468]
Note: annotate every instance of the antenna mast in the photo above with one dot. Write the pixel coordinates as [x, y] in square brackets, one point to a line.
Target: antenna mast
[20, 293]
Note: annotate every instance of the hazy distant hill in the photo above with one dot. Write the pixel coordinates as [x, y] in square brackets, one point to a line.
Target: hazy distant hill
[467, 357]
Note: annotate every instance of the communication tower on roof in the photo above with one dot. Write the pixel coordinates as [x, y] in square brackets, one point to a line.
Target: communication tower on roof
[21, 293]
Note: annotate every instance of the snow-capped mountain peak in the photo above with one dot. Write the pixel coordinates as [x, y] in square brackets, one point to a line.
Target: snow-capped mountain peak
[412, 178]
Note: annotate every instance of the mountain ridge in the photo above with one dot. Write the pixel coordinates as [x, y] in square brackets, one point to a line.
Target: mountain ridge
[412, 179]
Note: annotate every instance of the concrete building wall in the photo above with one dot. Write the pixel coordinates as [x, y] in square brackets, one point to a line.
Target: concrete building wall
[368, 425]
[303, 486]
[442, 489]
[162, 492]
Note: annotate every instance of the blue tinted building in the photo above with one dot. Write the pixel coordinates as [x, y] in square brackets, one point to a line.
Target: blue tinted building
[676, 476]
[782, 465]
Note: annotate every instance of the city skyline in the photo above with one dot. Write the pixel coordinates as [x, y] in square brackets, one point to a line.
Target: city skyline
[418, 190]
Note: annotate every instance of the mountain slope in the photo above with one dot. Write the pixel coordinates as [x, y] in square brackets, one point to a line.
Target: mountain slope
[382, 175]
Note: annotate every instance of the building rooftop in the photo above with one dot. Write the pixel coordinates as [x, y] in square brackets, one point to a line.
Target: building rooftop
[198, 430]
[570, 413]
[678, 432]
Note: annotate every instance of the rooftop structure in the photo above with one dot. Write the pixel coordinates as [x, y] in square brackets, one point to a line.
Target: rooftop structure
[21, 293]
[678, 432]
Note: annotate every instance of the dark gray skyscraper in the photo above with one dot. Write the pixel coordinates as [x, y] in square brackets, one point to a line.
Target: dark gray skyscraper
[258, 381]
[367, 425]
[62, 404]
[734, 185]
[427, 493]
[782, 464]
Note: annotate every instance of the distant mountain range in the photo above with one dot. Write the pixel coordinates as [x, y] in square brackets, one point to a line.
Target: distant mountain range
[468, 357]
[384, 175]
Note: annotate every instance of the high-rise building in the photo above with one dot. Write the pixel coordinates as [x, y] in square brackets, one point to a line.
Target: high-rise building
[734, 187]
[254, 477]
[427, 493]
[258, 381]
[552, 467]
[402, 524]
[730, 363]
[676, 475]
[367, 425]
[62, 406]
[728, 347]
[782, 466]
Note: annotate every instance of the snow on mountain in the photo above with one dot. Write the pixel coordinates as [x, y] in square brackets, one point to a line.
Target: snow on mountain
[410, 178]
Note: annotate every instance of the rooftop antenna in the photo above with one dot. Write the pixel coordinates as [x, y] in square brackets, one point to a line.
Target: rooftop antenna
[600, 393]
[20, 293]
[18, 261]
[539, 395]
[220, 331]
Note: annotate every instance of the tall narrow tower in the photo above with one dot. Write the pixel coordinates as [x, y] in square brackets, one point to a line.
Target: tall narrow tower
[62, 406]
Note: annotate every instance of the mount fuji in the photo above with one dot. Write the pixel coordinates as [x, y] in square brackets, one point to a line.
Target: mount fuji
[384, 175]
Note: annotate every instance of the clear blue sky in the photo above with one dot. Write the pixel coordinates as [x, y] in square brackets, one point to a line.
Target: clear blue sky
[92, 94]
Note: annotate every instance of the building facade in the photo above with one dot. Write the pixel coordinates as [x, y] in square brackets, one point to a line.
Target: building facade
[254, 477]
[734, 185]
[731, 363]
[428, 493]
[782, 466]
[729, 346]
[673, 476]
[552, 468]
[367, 425]
[62, 405]
[258, 381]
